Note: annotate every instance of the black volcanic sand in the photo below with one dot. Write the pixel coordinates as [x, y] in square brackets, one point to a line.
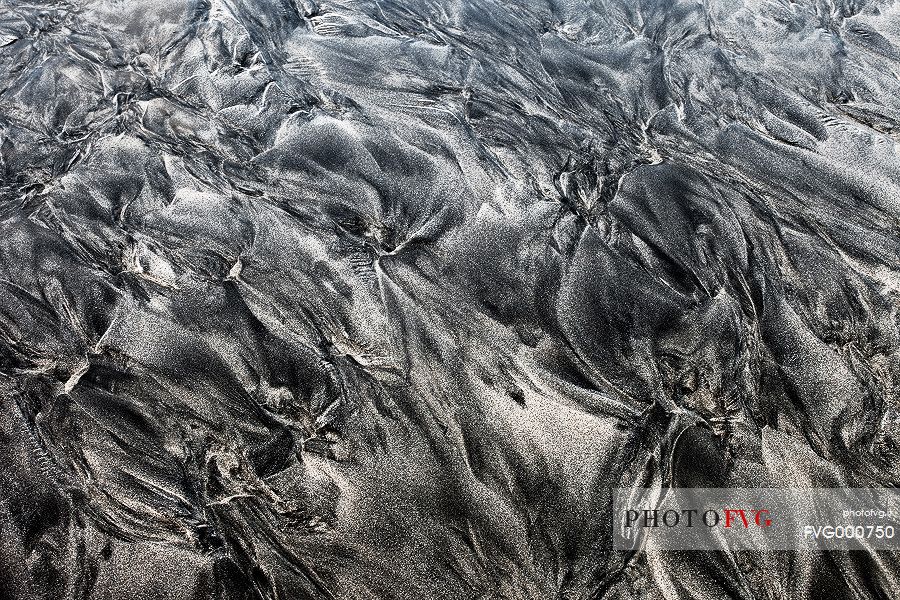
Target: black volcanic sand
[379, 300]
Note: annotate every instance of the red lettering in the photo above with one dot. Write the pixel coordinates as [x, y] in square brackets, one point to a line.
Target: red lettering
[729, 512]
